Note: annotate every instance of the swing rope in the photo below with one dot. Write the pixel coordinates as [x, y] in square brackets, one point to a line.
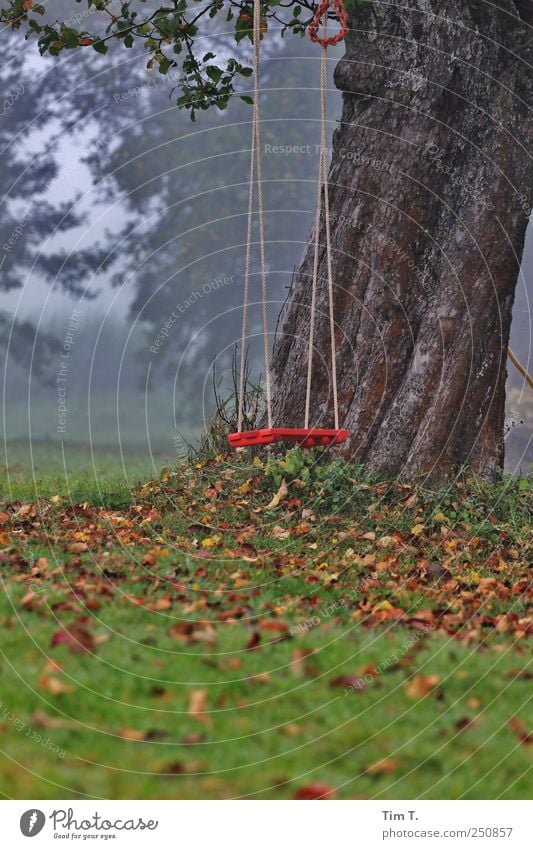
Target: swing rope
[255, 164]
[322, 13]
[518, 365]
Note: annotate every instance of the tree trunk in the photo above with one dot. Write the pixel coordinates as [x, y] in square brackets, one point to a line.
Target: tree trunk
[430, 187]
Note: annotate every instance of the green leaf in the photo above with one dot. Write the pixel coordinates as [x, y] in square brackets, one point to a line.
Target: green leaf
[100, 47]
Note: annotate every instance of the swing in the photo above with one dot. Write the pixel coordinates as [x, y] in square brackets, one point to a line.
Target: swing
[306, 437]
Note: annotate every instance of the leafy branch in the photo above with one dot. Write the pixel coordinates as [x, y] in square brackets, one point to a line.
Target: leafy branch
[171, 37]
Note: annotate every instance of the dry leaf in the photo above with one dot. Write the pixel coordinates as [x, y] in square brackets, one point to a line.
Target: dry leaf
[198, 706]
[383, 767]
[279, 496]
[54, 686]
[421, 685]
[132, 734]
[315, 791]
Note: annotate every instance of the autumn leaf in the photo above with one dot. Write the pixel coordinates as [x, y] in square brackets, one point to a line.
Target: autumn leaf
[282, 493]
[315, 791]
[161, 604]
[132, 734]
[385, 766]
[198, 706]
[75, 637]
[519, 729]
[254, 641]
[350, 682]
[421, 685]
[54, 685]
[210, 542]
[78, 547]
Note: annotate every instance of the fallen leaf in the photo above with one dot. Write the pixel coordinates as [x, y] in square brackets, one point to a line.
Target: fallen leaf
[54, 686]
[210, 542]
[350, 682]
[76, 638]
[315, 791]
[383, 767]
[519, 729]
[132, 734]
[254, 642]
[42, 720]
[278, 532]
[198, 706]
[279, 496]
[437, 572]
[78, 547]
[161, 604]
[421, 685]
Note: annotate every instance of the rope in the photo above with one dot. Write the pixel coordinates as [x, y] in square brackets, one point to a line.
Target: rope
[520, 367]
[322, 13]
[245, 300]
[314, 286]
[256, 156]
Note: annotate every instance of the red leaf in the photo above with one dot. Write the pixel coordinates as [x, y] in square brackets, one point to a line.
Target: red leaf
[350, 682]
[77, 639]
[254, 641]
[315, 791]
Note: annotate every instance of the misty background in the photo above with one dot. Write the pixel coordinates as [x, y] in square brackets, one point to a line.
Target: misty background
[119, 212]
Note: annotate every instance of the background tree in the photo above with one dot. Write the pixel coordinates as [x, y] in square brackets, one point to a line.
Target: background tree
[430, 201]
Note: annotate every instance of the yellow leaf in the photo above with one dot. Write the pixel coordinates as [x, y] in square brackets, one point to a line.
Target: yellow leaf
[210, 542]
[417, 530]
[385, 542]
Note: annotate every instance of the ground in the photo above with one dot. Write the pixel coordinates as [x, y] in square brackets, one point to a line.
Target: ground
[262, 627]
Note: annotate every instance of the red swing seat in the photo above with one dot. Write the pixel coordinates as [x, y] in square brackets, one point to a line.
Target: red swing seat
[304, 437]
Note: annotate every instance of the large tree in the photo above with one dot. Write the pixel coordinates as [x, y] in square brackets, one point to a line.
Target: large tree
[430, 189]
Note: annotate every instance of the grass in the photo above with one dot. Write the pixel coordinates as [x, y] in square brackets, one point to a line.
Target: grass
[264, 627]
[100, 476]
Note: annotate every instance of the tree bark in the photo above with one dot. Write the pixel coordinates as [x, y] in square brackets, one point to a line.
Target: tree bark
[430, 188]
